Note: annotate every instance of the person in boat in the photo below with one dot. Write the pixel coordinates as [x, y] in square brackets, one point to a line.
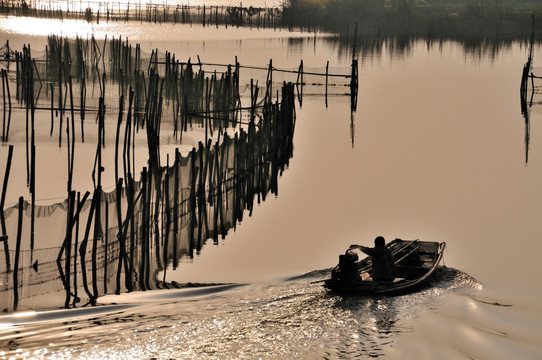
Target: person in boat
[348, 266]
[383, 268]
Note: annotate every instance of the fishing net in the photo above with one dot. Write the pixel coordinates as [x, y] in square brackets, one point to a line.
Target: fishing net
[121, 238]
[533, 94]
[86, 246]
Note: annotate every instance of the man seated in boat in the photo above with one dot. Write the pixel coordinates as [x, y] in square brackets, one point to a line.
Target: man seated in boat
[348, 269]
[383, 268]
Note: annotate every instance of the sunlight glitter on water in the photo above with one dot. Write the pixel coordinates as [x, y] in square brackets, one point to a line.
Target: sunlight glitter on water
[142, 31]
[77, 6]
[291, 319]
[285, 320]
[42, 27]
[24, 314]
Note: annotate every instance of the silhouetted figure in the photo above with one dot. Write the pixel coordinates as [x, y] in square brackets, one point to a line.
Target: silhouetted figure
[348, 267]
[383, 262]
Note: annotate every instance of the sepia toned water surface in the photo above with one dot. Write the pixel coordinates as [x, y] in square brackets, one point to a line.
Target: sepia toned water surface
[436, 150]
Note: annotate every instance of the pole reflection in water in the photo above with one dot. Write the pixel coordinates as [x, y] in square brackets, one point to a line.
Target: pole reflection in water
[529, 99]
[528, 91]
[135, 231]
[117, 241]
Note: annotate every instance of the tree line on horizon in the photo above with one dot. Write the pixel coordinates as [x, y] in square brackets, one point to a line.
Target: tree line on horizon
[506, 18]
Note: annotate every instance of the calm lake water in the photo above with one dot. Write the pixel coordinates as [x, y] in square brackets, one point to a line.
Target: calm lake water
[435, 151]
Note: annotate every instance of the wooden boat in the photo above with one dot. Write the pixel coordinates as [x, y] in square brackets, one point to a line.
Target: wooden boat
[415, 261]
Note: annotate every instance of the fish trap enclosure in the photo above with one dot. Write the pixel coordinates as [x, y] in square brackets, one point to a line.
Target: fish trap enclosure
[86, 69]
[111, 242]
[147, 11]
[126, 226]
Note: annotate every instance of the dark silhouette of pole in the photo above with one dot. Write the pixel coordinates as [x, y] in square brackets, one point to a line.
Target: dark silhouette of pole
[17, 252]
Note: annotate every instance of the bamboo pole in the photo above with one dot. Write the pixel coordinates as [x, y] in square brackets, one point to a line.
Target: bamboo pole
[146, 180]
[176, 164]
[68, 242]
[9, 106]
[97, 197]
[168, 218]
[119, 122]
[2, 202]
[106, 246]
[79, 206]
[32, 163]
[4, 107]
[83, 249]
[17, 252]
[327, 72]
[354, 85]
[122, 246]
[130, 220]
[52, 106]
[70, 165]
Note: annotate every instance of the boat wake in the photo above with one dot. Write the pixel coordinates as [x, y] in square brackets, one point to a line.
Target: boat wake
[294, 316]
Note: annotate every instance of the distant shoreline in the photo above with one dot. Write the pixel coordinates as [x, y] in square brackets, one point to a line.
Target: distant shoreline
[447, 19]
[347, 18]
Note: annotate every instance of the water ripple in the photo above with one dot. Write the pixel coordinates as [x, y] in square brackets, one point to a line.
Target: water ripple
[292, 319]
